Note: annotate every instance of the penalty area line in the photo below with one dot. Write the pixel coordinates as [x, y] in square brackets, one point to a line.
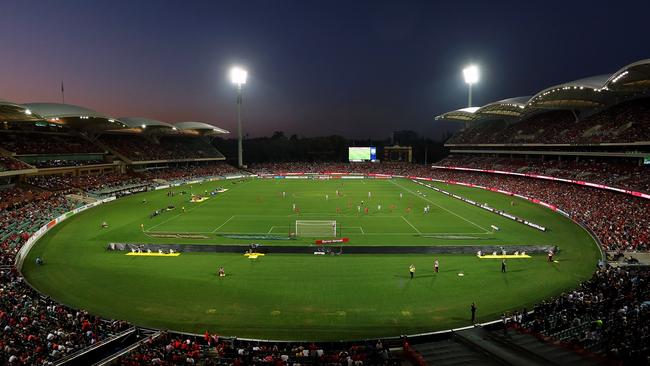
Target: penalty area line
[411, 225]
[225, 222]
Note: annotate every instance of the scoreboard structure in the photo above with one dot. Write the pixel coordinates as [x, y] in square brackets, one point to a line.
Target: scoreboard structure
[398, 153]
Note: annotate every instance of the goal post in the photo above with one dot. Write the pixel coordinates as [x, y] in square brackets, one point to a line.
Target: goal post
[316, 228]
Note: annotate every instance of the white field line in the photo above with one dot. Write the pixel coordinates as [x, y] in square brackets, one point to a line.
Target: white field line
[411, 225]
[271, 229]
[225, 222]
[175, 216]
[437, 205]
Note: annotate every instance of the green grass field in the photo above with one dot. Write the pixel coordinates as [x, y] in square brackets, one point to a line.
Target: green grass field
[294, 296]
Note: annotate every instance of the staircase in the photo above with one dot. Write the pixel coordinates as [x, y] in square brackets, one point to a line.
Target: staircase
[479, 346]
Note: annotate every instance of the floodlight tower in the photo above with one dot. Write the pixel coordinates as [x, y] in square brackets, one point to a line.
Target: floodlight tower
[470, 73]
[238, 77]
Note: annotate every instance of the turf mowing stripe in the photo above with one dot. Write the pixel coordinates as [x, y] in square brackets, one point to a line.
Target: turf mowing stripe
[437, 205]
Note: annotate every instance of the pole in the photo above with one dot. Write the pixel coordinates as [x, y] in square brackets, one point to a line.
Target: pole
[239, 143]
[469, 97]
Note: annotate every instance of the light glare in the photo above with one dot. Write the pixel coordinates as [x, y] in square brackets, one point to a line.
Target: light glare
[470, 73]
[238, 75]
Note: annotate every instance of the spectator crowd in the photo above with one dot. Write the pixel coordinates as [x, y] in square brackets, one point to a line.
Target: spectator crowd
[625, 174]
[609, 314]
[166, 349]
[625, 122]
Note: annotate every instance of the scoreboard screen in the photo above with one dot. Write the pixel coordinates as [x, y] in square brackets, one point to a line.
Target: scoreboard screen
[360, 154]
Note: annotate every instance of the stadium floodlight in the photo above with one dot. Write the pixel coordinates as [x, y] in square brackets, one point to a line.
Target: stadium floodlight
[238, 77]
[28, 112]
[470, 73]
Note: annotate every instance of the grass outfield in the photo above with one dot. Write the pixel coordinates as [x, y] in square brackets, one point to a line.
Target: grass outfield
[294, 296]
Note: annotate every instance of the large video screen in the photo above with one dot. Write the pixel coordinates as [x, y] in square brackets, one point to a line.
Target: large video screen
[646, 160]
[359, 154]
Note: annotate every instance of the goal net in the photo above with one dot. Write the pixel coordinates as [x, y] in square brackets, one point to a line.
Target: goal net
[316, 228]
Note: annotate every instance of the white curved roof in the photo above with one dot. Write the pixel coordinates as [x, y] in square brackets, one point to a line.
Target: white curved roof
[139, 122]
[463, 114]
[636, 73]
[199, 126]
[58, 110]
[10, 111]
[582, 93]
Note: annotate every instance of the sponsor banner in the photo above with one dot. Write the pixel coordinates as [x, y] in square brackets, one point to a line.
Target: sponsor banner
[331, 241]
[235, 176]
[485, 207]
[162, 187]
[352, 177]
[296, 177]
[579, 182]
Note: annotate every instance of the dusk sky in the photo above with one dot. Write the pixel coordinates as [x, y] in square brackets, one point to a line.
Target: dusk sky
[355, 68]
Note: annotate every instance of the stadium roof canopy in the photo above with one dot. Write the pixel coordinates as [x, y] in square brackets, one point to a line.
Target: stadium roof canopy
[588, 93]
[507, 108]
[200, 127]
[584, 93]
[632, 77]
[142, 122]
[459, 115]
[74, 116]
[10, 112]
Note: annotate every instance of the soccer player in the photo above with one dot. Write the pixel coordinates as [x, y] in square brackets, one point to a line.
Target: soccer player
[378, 207]
[503, 266]
[284, 194]
[327, 197]
[142, 227]
[222, 272]
[183, 209]
[294, 207]
[412, 270]
[400, 195]
[359, 209]
[436, 265]
[550, 255]
[369, 195]
[366, 210]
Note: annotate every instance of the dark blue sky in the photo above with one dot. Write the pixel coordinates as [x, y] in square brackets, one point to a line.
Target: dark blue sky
[356, 68]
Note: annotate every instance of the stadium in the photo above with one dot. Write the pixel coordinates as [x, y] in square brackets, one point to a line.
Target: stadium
[145, 226]
[304, 183]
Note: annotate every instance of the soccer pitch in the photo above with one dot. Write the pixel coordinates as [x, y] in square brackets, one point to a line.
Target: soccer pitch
[301, 296]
